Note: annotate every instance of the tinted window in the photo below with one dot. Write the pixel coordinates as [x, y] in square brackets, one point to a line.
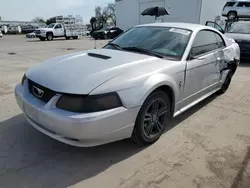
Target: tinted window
[229, 4]
[205, 41]
[220, 41]
[51, 25]
[243, 4]
[166, 41]
[58, 26]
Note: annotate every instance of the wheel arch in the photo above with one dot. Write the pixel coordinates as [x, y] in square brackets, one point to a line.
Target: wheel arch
[49, 32]
[232, 11]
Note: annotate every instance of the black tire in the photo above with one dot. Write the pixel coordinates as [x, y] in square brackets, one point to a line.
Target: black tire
[232, 15]
[105, 37]
[143, 132]
[50, 36]
[226, 83]
[42, 39]
[67, 38]
[75, 37]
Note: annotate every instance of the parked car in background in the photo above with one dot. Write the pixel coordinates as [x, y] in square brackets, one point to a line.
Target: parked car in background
[1, 34]
[31, 35]
[86, 33]
[240, 32]
[107, 33]
[56, 30]
[130, 88]
[235, 9]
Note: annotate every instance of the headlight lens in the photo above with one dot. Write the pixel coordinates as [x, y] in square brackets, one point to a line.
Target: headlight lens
[23, 79]
[88, 104]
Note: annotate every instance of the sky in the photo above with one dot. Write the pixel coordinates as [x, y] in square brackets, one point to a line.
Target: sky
[26, 10]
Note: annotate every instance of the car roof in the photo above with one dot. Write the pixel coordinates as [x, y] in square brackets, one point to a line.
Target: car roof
[229, 1]
[189, 26]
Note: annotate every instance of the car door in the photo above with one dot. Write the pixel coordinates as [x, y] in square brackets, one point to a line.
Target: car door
[219, 55]
[215, 25]
[202, 67]
[59, 31]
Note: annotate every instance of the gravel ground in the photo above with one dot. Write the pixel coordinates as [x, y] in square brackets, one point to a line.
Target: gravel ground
[206, 147]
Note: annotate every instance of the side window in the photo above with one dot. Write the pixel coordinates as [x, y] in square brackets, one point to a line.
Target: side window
[243, 4]
[204, 42]
[220, 41]
[229, 4]
[58, 26]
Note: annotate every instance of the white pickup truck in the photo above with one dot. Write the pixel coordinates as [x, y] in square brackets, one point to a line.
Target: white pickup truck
[56, 30]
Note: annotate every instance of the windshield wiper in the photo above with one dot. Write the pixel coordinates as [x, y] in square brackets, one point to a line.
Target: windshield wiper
[142, 50]
[116, 46]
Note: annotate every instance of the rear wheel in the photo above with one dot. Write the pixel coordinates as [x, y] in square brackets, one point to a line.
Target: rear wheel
[67, 38]
[152, 118]
[232, 16]
[50, 36]
[75, 37]
[226, 83]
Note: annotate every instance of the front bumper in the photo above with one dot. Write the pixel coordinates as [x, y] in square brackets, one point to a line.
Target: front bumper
[244, 50]
[82, 130]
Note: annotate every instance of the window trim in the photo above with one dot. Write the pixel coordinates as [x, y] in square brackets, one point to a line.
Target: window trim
[209, 52]
[56, 26]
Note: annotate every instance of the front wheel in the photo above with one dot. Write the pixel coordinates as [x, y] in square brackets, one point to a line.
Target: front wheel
[50, 36]
[152, 118]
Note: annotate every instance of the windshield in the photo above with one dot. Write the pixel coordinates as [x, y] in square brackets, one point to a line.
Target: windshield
[51, 25]
[165, 41]
[243, 28]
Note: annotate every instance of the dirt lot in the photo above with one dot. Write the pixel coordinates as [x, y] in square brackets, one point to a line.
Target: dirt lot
[207, 147]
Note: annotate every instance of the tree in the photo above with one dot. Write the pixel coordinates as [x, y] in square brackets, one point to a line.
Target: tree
[111, 12]
[93, 22]
[51, 20]
[98, 11]
[39, 20]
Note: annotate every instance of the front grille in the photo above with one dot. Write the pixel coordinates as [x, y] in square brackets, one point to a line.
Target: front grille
[38, 32]
[47, 93]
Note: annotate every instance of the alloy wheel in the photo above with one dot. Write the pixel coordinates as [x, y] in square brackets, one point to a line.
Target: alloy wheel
[155, 118]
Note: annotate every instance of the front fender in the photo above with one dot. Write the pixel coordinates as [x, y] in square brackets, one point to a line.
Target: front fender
[136, 96]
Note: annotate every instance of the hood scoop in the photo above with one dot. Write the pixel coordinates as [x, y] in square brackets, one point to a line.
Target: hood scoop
[99, 56]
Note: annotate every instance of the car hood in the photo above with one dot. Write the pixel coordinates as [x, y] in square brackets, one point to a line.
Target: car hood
[238, 36]
[80, 73]
[99, 31]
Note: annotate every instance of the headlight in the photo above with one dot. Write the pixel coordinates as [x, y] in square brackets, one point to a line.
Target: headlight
[88, 103]
[23, 79]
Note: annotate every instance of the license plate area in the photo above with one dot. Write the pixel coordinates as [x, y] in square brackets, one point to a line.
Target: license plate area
[30, 111]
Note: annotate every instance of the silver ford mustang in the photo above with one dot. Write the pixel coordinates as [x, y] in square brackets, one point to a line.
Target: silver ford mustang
[129, 88]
